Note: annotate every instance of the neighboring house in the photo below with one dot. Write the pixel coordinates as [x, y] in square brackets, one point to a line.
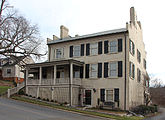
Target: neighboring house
[11, 69]
[94, 68]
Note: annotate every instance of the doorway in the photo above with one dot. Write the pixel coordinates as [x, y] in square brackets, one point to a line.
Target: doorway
[88, 97]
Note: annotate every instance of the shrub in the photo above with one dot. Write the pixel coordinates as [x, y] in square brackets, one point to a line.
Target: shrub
[39, 98]
[52, 100]
[47, 99]
[144, 110]
[21, 92]
[44, 99]
[65, 103]
[30, 95]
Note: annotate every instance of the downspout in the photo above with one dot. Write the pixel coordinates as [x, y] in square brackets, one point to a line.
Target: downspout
[125, 82]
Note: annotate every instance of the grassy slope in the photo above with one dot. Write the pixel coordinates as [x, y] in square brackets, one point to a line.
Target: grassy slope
[3, 89]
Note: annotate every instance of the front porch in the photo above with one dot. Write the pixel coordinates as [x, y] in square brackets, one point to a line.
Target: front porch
[58, 80]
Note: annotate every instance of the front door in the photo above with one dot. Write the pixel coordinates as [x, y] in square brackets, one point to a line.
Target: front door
[88, 97]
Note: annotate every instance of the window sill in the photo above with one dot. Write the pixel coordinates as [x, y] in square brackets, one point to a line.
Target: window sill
[113, 77]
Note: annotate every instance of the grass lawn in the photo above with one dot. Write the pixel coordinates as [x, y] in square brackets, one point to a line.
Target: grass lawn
[43, 103]
[3, 89]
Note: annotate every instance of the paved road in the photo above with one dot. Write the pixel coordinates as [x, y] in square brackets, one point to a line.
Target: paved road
[158, 117]
[14, 110]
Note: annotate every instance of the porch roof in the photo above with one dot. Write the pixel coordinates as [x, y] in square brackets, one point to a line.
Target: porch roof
[56, 62]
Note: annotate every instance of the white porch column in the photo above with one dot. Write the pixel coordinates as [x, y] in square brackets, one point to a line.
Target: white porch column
[54, 81]
[71, 82]
[40, 77]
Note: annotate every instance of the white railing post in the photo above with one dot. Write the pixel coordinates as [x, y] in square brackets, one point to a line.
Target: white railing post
[8, 93]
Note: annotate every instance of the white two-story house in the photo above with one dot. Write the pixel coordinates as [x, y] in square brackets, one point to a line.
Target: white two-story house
[89, 69]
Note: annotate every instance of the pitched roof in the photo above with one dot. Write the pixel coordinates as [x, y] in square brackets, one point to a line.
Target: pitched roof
[15, 60]
[89, 36]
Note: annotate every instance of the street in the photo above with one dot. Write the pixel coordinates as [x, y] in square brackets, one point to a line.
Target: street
[161, 116]
[15, 110]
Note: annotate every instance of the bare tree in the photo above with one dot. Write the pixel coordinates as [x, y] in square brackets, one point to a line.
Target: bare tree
[18, 37]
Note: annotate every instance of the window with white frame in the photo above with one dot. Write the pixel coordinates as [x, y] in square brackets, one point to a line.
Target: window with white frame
[109, 95]
[94, 48]
[113, 69]
[138, 56]
[76, 74]
[60, 53]
[93, 70]
[113, 46]
[76, 50]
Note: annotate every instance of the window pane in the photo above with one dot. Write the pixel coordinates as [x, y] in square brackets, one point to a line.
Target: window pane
[109, 95]
[76, 74]
[94, 49]
[93, 70]
[59, 53]
[113, 46]
[113, 69]
[76, 51]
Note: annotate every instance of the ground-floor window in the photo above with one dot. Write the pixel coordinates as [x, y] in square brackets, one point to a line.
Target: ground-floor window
[109, 95]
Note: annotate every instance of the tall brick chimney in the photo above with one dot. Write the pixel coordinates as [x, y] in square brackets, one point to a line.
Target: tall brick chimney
[133, 16]
[64, 32]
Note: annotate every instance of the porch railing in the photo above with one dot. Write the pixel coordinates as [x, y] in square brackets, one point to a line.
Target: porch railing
[47, 82]
[32, 81]
[76, 81]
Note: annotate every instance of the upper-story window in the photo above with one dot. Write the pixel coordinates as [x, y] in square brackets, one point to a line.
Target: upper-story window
[138, 75]
[93, 70]
[59, 52]
[113, 46]
[131, 70]
[138, 56]
[131, 47]
[94, 48]
[76, 51]
[144, 64]
[113, 69]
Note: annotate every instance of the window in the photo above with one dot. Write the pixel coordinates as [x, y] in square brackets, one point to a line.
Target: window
[113, 69]
[76, 74]
[113, 46]
[94, 48]
[109, 95]
[76, 51]
[60, 53]
[138, 56]
[93, 71]
[138, 75]
[131, 70]
[131, 47]
[144, 64]
[8, 71]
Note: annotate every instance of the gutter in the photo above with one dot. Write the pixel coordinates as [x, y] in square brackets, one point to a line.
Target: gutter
[125, 82]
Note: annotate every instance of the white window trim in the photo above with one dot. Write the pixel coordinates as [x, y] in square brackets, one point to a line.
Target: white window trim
[62, 56]
[90, 75]
[110, 69]
[106, 95]
[74, 50]
[110, 46]
[93, 48]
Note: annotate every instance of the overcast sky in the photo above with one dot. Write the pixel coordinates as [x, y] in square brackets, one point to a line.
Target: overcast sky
[90, 16]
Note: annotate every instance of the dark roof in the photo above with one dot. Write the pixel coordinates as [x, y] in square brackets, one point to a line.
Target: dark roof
[15, 60]
[89, 36]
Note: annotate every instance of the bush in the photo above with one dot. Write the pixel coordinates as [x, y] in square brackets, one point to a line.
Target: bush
[144, 110]
[52, 100]
[21, 92]
[44, 99]
[39, 98]
[47, 99]
[30, 95]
